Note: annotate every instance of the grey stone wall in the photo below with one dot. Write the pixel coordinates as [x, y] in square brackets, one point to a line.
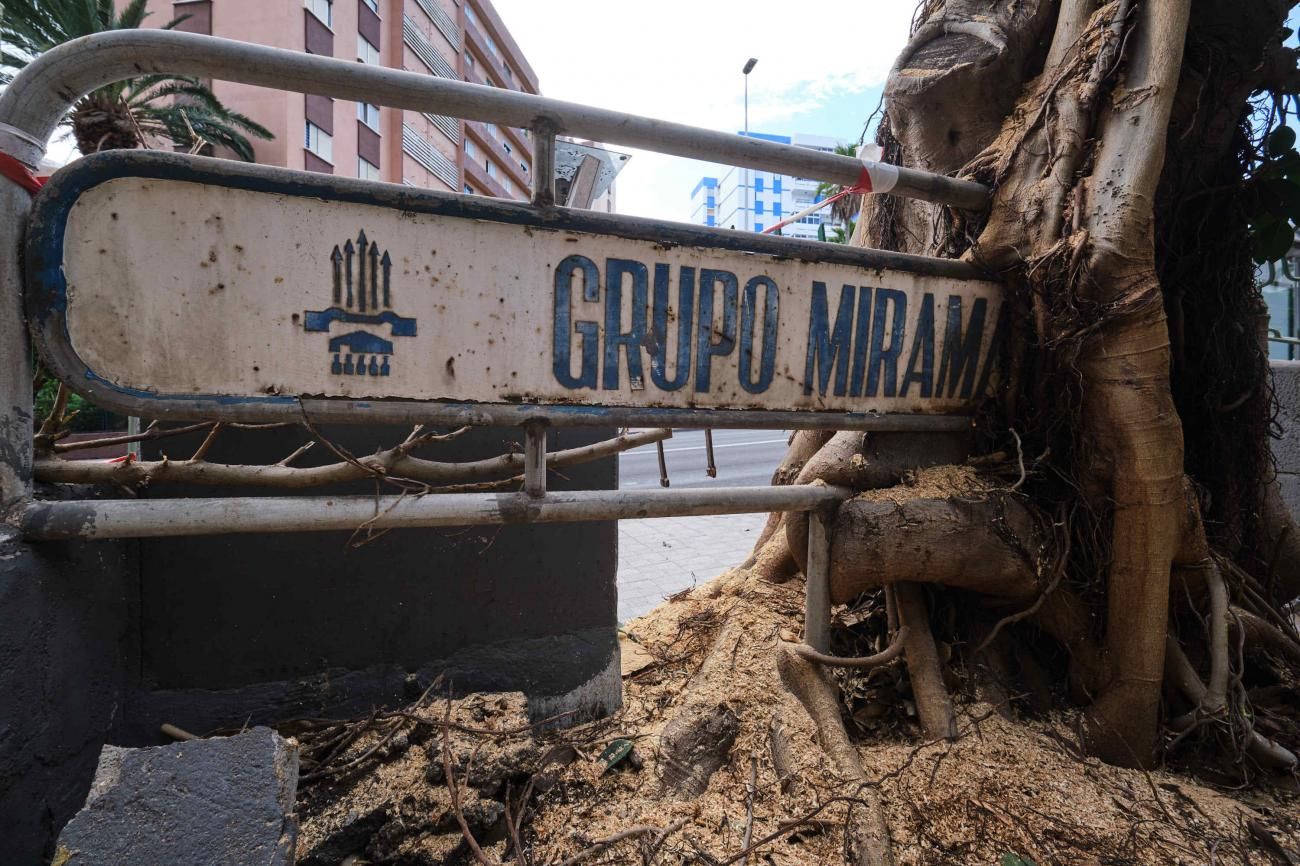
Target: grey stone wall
[65, 657]
[1286, 450]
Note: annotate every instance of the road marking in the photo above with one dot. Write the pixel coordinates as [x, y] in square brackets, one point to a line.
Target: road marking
[637, 452]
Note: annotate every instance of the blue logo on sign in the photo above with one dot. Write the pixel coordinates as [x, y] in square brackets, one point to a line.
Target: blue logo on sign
[362, 295]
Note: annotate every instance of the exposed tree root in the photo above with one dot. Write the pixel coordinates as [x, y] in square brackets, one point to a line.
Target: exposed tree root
[932, 702]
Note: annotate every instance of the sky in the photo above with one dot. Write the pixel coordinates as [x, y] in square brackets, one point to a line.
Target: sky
[821, 74]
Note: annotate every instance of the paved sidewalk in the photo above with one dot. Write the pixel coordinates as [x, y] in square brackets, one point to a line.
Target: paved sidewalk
[659, 557]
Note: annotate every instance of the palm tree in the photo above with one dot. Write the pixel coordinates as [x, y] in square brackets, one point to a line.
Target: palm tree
[176, 109]
[843, 210]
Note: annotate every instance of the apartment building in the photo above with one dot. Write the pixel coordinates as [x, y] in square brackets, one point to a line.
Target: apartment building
[751, 200]
[458, 39]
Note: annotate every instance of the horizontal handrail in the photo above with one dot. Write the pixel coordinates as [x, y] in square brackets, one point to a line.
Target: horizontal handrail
[140, 518]
[42, 93]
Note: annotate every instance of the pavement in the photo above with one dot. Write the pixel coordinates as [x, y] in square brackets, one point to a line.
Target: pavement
[662, 556]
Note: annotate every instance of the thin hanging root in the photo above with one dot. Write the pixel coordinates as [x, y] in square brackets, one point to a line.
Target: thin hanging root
[869, 835]
[884, 657]
[933, 705]
[1179, 672]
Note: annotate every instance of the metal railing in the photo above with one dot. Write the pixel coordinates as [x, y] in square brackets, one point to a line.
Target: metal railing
[41, 95]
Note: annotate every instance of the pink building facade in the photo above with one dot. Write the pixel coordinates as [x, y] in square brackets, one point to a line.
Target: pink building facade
[460, 39]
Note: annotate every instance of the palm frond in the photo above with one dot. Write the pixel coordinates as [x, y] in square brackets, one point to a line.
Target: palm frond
[175, 108]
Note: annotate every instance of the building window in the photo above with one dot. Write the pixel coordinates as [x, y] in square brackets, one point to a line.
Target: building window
[469, 59]
[368, 114]
[320, 142]
[491, 168]
[366, 52]
[373, 4]
[523, 167]
[322, 9]
[758, 206]
[367, 170]
[471, 150]
[758, 183]
[776, 209]
[758, 227]
[469, 190]
[776, 185]
[471, 17]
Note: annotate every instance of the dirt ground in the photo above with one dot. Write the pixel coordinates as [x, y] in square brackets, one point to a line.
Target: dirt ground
[1006, 788]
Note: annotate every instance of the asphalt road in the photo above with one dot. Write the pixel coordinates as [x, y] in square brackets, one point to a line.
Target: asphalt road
[745, 458]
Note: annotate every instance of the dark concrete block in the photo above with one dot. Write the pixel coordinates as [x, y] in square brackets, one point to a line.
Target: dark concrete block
[65, 653]
[226, 800]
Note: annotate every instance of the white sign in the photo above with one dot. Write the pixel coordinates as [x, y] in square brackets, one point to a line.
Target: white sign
[177, 288]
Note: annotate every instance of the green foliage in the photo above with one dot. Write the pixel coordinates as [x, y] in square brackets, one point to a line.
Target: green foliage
[1010, 859]
[177, 109]
[1275, 197]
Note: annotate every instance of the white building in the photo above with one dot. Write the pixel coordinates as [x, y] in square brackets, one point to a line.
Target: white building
[743, 198]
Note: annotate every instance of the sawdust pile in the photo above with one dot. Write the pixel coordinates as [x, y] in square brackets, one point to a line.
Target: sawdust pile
[1005, 786]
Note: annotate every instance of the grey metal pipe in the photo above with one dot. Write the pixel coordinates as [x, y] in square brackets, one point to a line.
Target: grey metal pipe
[817, 583]
[42, 93]
[140, 518]
[16, 421]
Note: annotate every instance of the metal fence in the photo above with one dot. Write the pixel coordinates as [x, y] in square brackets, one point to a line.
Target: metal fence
[41, 95]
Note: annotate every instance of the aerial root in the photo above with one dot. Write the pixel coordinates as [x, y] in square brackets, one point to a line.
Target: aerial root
[868, 833]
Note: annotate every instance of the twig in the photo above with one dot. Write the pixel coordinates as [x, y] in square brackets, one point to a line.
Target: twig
[392, 465]
[601, 844]
[54, 420]
[453, 792]
[298, 452]
[750, 788]
[153, 431]
[207, 443]
[176, 733]
[786, 828]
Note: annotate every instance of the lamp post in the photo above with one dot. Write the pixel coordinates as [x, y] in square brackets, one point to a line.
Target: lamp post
[749, 67]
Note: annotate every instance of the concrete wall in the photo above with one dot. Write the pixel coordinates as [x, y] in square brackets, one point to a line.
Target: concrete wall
[65, 659]
[1286, 450]
[239, 627]
[104, 642]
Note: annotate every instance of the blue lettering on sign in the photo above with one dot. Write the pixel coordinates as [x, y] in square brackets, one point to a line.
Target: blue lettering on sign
[659, 328]
[630, 340]
[564, 326]
[886, 359]
[855, 349]
[961, 351]
[829, 348]
[861, 340]
[748, 314]
[706, 348]
[922, 350]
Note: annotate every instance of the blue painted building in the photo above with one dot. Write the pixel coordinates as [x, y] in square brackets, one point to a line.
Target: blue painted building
[752, 200]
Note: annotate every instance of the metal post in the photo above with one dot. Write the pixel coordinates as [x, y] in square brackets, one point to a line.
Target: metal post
[15, 353]
[543, 164]
[817, 586]
[535, 459]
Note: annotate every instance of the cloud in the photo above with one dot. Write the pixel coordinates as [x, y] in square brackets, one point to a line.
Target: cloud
[681, 60]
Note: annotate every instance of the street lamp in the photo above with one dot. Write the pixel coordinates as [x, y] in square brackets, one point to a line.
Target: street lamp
[749, 67]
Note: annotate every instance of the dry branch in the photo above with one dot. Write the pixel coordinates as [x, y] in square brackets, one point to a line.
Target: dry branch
[392, 463]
